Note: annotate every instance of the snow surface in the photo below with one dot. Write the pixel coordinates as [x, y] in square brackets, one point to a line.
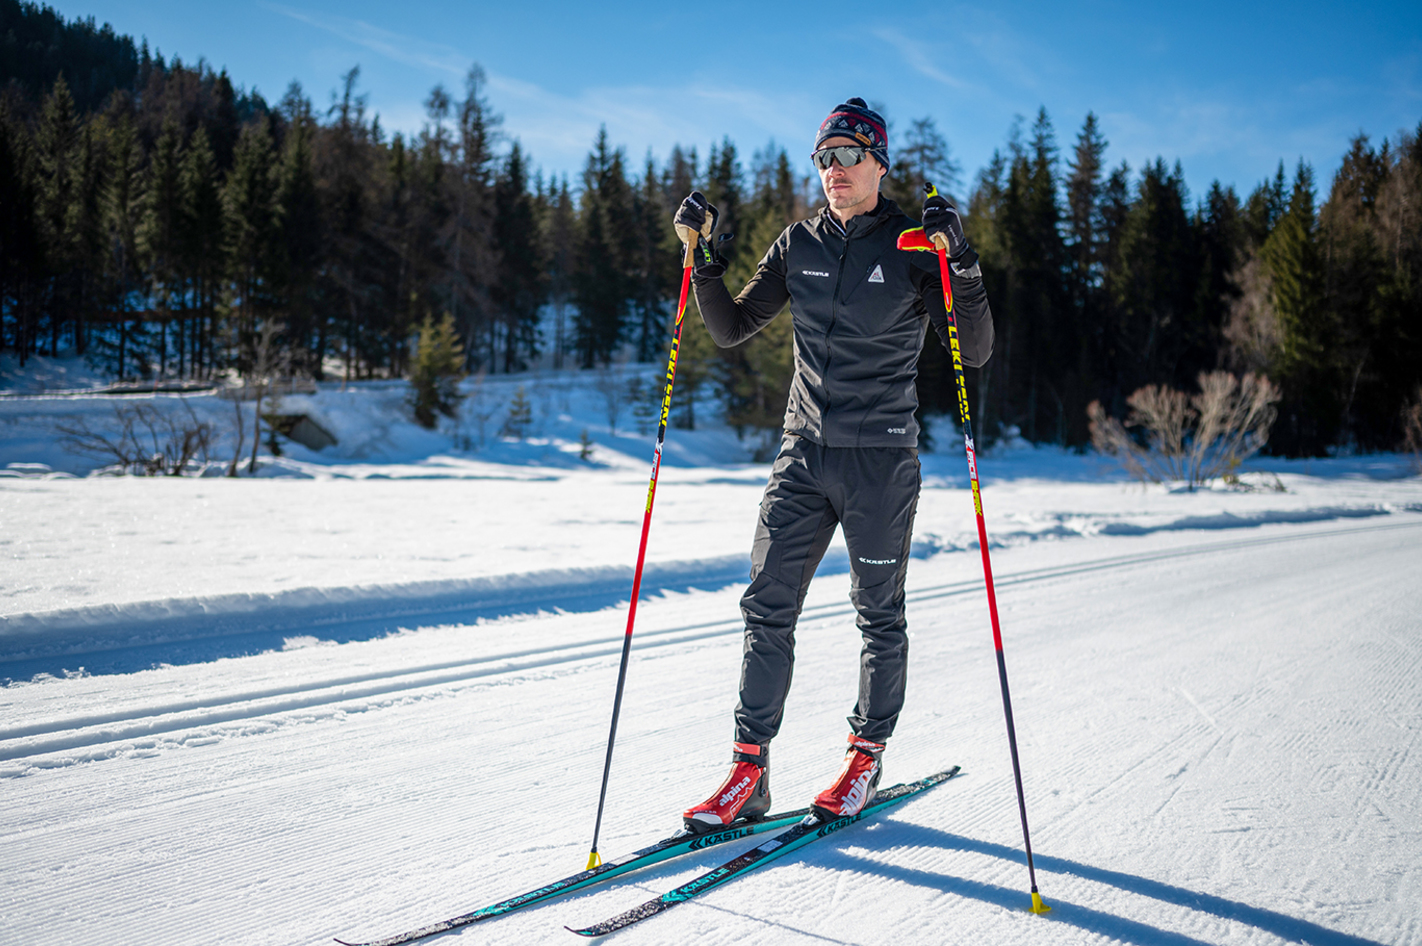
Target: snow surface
[370, 689]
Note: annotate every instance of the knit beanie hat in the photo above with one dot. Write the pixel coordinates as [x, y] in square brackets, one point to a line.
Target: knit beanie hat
[855, 119]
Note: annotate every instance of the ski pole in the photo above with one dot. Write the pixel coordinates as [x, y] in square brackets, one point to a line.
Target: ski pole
[595, 859]
[915, 240]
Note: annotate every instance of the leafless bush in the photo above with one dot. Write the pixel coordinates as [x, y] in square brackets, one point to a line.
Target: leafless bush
[148, 442]
[1252, 329]
[1193, 438]
[1412, 429]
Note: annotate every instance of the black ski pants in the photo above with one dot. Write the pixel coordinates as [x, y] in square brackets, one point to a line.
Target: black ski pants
[872, 492]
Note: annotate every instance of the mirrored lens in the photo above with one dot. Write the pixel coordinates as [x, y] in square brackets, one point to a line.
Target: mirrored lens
[847, 156]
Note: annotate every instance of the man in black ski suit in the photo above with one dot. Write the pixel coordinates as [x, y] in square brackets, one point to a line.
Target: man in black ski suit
[850, 451]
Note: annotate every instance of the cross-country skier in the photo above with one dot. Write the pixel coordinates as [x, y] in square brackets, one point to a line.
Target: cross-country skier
[850, 451]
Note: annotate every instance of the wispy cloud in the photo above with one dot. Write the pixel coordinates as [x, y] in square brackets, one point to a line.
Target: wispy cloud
[435, 57]
[918, 56]
[557, 129]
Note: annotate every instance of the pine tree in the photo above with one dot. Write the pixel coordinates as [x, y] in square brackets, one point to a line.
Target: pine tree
[299, 225]
[249, 231]
[345, 173]
[987, 233]
[20, 257]
[1031, 394]
[922, 156]
[1220, 241]
[1083, 217]
[203, 259]
[655, 270]
[602, 282]
[1156, 280]
[435, 371]
[1355, 273]
[725, 187]
[1082, 379]
[520, 417]
[160, 230]
[519, 289]
[122, 208]
[560, 237]
[473, 257]
[1308, 417]
[57, 142]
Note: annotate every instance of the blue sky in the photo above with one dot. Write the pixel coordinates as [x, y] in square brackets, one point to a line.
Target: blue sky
[1227, 88]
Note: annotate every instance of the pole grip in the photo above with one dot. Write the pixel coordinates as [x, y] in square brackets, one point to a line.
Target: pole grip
[940, 240]
[688, 257]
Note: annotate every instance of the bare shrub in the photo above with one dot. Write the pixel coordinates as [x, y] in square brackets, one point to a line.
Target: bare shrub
[1412, 429]
[1252, 330]
[1193, 438]
[148, 442]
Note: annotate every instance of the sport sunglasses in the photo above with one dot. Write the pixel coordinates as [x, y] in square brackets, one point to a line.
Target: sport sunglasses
[847, 156]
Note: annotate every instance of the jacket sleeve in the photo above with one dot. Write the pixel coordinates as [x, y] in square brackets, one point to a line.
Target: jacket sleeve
[971, 311]
[732, 321]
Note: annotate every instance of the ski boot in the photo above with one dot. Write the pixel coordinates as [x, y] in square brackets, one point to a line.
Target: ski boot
[856, 783]
[744, 796]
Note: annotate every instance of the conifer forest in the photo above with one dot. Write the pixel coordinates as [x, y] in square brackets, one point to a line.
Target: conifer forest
[168, 225]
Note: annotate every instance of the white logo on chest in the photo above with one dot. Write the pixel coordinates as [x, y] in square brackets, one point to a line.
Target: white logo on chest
[877, 275]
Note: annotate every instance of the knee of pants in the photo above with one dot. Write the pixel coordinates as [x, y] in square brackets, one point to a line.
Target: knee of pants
[881, 609]
[770, 603]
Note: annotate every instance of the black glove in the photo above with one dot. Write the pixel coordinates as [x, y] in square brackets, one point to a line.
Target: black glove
[707, 261]
[695, 216]
[941, 217]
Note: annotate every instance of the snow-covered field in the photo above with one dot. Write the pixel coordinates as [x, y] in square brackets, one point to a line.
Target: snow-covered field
[373, 691]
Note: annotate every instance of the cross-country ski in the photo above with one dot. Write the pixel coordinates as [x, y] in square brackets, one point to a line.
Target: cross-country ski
[682, 842]
[812, 828]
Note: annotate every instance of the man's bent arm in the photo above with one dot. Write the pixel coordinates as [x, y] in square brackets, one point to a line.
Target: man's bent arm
[732, 321]
[970, 307]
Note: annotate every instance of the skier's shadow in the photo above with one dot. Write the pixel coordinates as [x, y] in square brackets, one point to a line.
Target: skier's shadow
[1285, 927]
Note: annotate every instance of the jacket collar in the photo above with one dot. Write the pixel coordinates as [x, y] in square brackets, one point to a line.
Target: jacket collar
[860, 224]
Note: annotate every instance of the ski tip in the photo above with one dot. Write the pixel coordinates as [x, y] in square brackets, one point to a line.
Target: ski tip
[589, 932]
[1038, 907]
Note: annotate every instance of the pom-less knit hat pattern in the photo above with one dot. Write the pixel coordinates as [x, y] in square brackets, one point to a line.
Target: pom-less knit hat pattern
[855, 119]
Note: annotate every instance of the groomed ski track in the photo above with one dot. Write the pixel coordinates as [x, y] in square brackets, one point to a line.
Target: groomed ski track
[1219, 731]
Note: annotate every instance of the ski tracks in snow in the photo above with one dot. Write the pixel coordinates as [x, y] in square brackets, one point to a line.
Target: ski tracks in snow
[153, 719]
[1204, 764]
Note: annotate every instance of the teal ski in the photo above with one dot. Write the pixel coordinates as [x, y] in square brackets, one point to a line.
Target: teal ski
[813, 827]
[683, 842]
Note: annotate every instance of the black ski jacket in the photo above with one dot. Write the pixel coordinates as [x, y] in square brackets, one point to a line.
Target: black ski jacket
[860, 306]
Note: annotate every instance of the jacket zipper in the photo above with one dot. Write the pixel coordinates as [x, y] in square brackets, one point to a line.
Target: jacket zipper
[834, 317]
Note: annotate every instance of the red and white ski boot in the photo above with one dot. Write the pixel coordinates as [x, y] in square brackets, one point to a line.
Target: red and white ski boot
[744, 796]
[856, 783]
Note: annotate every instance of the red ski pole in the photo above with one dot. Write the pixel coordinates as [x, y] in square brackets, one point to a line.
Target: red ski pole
[594, 859]
[916, 240]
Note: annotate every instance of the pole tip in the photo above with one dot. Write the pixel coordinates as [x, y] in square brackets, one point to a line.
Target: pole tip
[1038, 906]
[595, 860]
